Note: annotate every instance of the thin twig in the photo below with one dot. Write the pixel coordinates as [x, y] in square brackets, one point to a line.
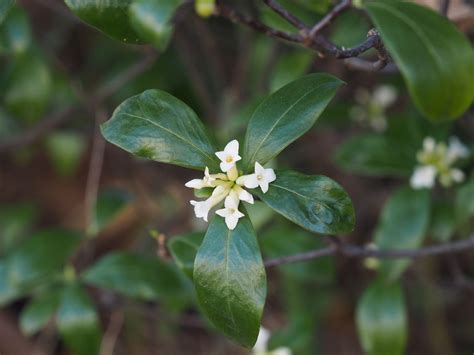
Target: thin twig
[289, 17]
[330, 16]
[112, 333]
[355, 251]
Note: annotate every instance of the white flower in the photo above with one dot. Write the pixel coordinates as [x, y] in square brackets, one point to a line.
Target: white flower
[423, 177]
[231, 211]
[384, 95]
[243, 195]
[208, 180]
[456, 150]
[262, 177]
[202, 208]
[429, 145]
[261, 346]
[229, 156]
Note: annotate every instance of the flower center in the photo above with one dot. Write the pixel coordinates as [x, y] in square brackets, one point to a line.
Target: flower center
[229, 159]
[232, 210]
[259, 177]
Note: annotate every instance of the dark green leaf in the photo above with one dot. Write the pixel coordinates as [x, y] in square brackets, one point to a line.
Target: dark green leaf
[5, 6]
[230, 282]
[108, 16]
[40, 257]
[152, 20]
[285, 116]
[134, 276]
[381, 320]
[289, 68]
[376, 155]
[28, 87]
[464, 205]
[8, 292]
[78, 322]
[436, 60]
[15, 33]
[403, 224]
[158, 126]
[16, 220]
[184, 249]
[315, 203]
[443, 220]
[39, 311]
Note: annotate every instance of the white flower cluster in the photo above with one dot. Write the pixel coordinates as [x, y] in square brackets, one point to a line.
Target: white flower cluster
[261, 346]
[438, 160]
[229, 186]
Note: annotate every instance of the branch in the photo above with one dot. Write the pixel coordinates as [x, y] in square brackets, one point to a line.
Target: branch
[326, 20]
[280, 10]
[355, 251]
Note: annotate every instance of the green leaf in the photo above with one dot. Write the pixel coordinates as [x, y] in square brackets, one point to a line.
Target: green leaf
[28, 88]
[16, 221]
[78, 322]
[152, 20]
[5, 6]
[134, 276]
[40, 311]
[403, 224]
[15, 32]
[289, 68]
[8, 292]
[65, 150]
[158, 126]
[381, 320]
[436, 60]
[315, 203]
[285, 116]
[184, 249]
[464, 204]
[230, 280]
[108, 16]
[376, 155]
[443, 220]
[40, 257]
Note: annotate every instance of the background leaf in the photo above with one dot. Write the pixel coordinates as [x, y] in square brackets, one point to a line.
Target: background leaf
[65, 150]
[230, 281]
[5, 6]
[285, 116]
[184, 249]
[78, 322]
[403, 224]
[315, 203]
[39, 311]
[381, 320]
[152, 20]
[156, 125]
[436, 60]
[15, 32]
[110, 17]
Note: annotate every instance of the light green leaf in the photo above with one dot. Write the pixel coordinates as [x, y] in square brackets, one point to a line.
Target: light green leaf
[315, 203]
[285, 116]
[381, 320]
[78, 322]
[184, 249]
[15, 32]
[152, 20]
[40, 257]
[403, 224]
[436, 60]
[134, 276]
[65, 150]
[158, 126]
[39, 311]
[230, 281]
[108, 16]
[28, 87]
[376, 155]
[5, 6]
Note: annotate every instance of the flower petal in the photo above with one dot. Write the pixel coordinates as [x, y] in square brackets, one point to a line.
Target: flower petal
[196, 184]
[231, 221]
[232, 148]
[249, 181]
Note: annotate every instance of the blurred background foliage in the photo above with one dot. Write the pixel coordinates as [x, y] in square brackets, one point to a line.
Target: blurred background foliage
[96, 253]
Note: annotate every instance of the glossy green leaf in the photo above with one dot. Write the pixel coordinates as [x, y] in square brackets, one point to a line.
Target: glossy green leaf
[230, 281]
[376, 155]
[403, 224]
[381, 320]
[108, 16]
[158, 126]
[315, 203]
[15, 32]
[152, 20]
[5, 6]
[40, 311]
[65, 150]
[78, 322]
[40, 257]
[436, 60]
[28, 87]
[134, 276]
[184, 249]
[285, 116]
